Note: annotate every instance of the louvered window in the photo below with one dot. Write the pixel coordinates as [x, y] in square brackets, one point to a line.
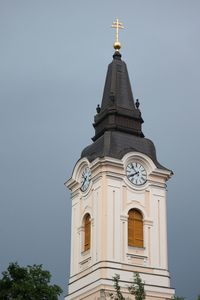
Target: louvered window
[87, 232]
[135, 228]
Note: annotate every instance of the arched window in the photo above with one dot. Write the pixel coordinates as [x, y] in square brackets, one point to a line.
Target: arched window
[87, 232]
[135, 228]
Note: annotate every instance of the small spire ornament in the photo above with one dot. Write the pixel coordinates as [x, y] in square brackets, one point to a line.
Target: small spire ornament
[118, 25]
[98, 109]
[137, 104]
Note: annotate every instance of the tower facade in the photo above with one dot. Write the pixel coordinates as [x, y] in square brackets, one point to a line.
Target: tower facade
[118, 194]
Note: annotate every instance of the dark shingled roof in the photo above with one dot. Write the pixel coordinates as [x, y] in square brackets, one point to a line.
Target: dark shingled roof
[118, 122]
[118, 111]
[116, 144]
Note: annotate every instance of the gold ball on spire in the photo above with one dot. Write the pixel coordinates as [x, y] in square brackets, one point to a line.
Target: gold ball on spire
[117, 46]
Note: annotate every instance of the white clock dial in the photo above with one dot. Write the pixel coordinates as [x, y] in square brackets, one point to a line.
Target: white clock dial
[136, 173]
[85, 179]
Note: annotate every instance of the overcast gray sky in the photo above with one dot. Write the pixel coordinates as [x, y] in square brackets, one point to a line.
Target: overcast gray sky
[53, 62]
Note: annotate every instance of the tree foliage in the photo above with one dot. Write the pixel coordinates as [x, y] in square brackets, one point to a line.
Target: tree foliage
[118, 295]
[137, 287]
[30, 283]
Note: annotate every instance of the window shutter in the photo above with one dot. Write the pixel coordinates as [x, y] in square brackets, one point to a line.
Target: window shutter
[87, 233]
[131, 229]
[135, 228]
[138, 236]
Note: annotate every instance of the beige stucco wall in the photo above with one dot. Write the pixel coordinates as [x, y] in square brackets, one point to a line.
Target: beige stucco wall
[108, 200]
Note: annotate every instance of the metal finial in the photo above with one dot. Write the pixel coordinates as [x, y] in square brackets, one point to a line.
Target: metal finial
[118, 25]
[98, 109]
[137, 104]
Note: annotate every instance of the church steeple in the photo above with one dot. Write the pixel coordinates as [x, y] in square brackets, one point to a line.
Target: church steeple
[118, 194]
[118, 111]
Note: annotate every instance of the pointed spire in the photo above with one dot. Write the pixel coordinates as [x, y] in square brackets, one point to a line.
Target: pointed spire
[118, 111]
[118, 122]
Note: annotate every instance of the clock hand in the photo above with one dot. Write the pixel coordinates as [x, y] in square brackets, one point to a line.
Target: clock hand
[84, 181]
[131, 175]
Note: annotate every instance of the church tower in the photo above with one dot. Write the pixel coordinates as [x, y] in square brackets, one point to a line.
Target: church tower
[118, 194]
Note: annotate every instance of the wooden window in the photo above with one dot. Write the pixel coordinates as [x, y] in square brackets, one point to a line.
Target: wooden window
[135, 228]
[87, 232]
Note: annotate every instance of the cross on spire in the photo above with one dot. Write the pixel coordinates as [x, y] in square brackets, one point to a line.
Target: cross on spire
[118, 25]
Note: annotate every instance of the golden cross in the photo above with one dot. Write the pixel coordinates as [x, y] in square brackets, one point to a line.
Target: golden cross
[118, 25]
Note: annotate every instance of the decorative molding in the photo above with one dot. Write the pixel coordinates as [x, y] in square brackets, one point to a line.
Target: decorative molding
[86, 260]
[80, 229]
[92, 221]
[148, 222]
[136, 205]
[136, 255]
[124, 218]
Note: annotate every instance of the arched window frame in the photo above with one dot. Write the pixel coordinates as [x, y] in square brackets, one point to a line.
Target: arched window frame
[135, 228]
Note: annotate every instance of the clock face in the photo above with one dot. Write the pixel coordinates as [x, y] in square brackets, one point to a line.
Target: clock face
[136, 173]
[85, 179]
